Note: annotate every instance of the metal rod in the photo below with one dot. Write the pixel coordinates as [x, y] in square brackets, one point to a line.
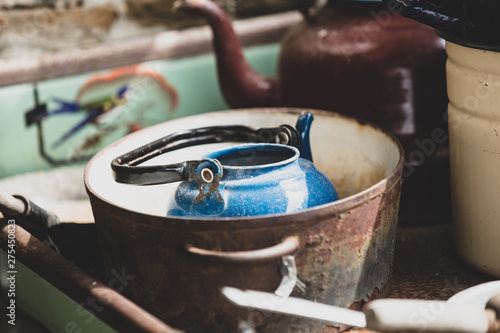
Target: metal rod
[119, 312]
[11, 206]
[164, 45]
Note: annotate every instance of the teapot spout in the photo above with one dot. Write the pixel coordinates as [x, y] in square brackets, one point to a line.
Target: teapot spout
[239, 83]
[303, 127]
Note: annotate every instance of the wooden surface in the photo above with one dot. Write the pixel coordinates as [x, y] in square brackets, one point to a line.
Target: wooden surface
[426, 266]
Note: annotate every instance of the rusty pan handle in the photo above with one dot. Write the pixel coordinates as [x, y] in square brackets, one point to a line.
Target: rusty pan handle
[288, 246]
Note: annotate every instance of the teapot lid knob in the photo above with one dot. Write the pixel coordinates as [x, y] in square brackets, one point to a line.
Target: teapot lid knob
[209, 170]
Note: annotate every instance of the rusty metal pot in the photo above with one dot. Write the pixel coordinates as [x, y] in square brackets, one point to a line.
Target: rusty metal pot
[342, 251]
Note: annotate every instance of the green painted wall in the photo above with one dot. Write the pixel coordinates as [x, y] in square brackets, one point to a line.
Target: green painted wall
[194, 78]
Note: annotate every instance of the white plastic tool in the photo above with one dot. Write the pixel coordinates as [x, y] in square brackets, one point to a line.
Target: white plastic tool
[463, 313]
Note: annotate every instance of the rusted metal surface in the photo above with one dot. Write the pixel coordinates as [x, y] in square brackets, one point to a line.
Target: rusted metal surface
[118, 312]
[359, 245]
[344, 258]
[169, 44]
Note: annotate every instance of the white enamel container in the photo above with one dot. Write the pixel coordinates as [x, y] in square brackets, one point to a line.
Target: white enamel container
[473, 77]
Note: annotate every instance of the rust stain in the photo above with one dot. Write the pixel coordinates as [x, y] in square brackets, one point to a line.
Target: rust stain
[314, 239]
[207, 189]
[324, 255]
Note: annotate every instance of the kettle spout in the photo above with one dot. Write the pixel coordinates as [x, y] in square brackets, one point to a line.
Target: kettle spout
[303, 127]
[239, 83]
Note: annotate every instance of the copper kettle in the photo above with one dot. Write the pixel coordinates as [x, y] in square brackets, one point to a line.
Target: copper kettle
[360, 59]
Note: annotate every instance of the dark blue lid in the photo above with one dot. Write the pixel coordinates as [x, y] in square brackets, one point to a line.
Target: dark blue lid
[470, 23]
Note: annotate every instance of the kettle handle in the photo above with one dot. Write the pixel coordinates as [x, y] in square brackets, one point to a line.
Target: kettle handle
[126, 167]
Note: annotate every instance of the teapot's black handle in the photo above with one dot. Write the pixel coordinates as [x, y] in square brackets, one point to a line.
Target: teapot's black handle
[443, 16]
[126, 167]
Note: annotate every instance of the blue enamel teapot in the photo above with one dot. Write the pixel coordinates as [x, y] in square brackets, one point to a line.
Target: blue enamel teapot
[272, 173]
